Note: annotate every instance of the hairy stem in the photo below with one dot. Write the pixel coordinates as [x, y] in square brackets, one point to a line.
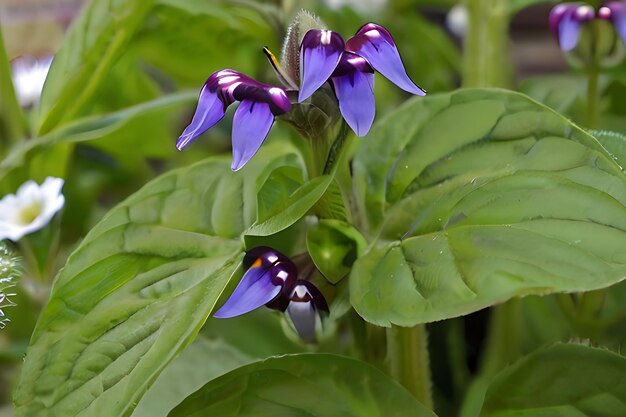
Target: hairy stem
[407, 351]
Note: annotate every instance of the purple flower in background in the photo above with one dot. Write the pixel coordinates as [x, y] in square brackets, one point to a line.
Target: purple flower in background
[566, 20]
[254, 116]
[350, 68]
[271, 280]
[615, 12]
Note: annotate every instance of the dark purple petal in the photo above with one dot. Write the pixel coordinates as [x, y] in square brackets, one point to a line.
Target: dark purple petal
[251, 124]
[220, 90]
[353, 81]
[615, 11]
[210, 110]
[320, 52]
[253, 291]
[263, 256]
[306, 304]
[374, 43]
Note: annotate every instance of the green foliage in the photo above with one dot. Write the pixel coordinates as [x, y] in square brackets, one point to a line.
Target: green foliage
[561, 380]
[334, 246]
[298, 385]
[468, 206]
[134, 293]
[92, 46]
[289, 208]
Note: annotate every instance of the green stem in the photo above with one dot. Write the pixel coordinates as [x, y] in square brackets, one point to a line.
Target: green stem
[486, 44]
[593, 98]
[12, 119]
[334, 153]
[503, 344]
[407, 350]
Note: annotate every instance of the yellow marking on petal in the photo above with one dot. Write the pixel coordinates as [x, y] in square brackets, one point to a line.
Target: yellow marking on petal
[278, 69]
[257, 263]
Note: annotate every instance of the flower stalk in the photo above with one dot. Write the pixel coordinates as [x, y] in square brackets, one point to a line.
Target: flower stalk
[409, 361]
[485, 49]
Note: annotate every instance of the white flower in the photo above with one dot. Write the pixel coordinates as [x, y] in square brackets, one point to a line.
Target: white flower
[457, 20]
[31, 208]
[29, 75]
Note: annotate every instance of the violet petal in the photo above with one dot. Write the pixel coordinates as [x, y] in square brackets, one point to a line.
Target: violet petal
[618, 17]
[374, 43]
[355, 93]
[251, 124]
[320, 52]
[253, 291]
[209, 111]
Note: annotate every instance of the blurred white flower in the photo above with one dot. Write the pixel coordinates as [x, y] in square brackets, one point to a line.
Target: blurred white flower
[31, 208]
[29, 75]
[457, 20]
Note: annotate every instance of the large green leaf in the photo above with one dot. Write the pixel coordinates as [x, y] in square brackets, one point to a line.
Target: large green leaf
[563, 380]
[319, 385]
[478, 196]
[137, 290]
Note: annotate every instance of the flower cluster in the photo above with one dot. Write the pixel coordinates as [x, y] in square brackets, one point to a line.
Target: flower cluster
[271, 280]
[323, 57]
[566, 20]
[350, 68]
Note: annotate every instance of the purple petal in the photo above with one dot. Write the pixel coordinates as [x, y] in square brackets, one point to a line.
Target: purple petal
[616, 12]
[320, 52]
[567, 20]
[354, 87]
[253, 291]
[374, 43]
[251, 124]
[209, 111]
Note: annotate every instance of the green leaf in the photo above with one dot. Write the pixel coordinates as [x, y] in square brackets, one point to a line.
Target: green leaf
[113, 132]
[290, 208]
[12, 120]
[562, 380]
[614, 142]
[188, 39]
[334, 246]
[95, 41]
[303, 385]
[478, 196]
[135, 292]
[216, 358]
[222, 346]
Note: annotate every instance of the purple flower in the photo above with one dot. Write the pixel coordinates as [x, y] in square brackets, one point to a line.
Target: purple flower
[271, 280]
[566, 20]
[615, 12]
[350, 68]
[254, 116]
